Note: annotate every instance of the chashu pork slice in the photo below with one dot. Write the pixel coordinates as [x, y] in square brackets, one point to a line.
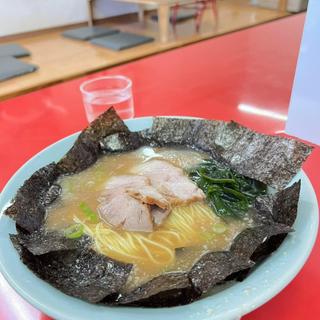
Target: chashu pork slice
[127, 182]
[128, 202]
[138, 202]
[149, 195]
[170, 181]
[139, 187]
[123, 211]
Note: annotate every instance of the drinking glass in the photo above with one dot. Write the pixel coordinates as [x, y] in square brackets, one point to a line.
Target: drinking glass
[101, 93]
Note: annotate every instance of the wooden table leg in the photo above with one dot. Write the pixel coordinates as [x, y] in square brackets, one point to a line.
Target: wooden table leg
[214, 8]
[163, 19]
[90, 12]
[283, 5]
[141, 12]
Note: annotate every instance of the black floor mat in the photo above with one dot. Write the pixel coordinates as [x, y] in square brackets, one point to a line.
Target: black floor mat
[13, 50]
[121, 41]
[87, 33]
[11, 67]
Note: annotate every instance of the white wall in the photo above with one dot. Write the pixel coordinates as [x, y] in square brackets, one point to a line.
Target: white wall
[18, 16]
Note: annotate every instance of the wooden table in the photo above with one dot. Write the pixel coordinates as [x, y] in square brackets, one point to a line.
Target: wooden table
[163, 8]
[210, 79]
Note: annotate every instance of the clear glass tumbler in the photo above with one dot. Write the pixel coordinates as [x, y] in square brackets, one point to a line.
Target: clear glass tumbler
[100, 94]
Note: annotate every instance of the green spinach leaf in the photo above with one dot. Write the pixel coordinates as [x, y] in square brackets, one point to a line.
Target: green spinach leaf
[228, 193]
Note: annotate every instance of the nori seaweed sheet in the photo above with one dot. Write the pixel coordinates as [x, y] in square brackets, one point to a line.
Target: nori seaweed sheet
[270, 159]
[81, 273]
[87, 148]
[165, 282]
[73, 267]
[29, 206]
[43, 241]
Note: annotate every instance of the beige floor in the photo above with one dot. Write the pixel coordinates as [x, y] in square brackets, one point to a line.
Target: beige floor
[60, 59]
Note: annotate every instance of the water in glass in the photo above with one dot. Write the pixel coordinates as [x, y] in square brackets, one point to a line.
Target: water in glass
[100, 102]
[99, 94]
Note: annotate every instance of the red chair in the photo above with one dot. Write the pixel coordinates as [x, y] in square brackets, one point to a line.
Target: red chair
[199, 6]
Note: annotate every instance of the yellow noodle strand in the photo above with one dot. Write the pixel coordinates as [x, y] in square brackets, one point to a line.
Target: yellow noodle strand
[184, 227]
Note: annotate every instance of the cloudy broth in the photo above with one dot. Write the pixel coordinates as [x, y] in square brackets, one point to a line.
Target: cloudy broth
[189, 231]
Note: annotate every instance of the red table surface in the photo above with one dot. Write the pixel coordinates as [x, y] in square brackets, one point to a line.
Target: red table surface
[215, 79]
